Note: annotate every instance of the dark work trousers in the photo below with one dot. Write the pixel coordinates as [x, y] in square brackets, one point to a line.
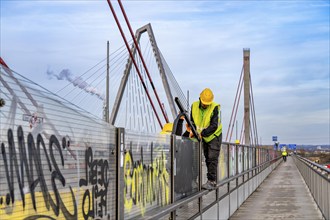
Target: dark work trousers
[211, 153]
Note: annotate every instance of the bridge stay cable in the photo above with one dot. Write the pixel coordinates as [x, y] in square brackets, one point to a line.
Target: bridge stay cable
[253, 114]
[235, 106]
[92, 83]
[82, 75]
[134, 61]
[242, 138]
[142, 60]
[174, 85]
[99, 95]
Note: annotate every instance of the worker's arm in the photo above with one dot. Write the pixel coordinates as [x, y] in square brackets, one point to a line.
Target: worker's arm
[189, 132]
[213, 123]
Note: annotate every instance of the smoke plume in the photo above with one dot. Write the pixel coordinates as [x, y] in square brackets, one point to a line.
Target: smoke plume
[79, 82]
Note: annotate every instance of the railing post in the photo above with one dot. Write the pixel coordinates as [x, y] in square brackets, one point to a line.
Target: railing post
[260, 158]
[173, 170]
[120, 143]
[228, 162]
[248, 161]
[243, 161]
[228, 175]
[200, 177]
[236, 148]
[255, 160]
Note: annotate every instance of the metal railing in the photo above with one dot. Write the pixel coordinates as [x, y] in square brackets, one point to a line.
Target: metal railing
[246, 168]
[317, 179]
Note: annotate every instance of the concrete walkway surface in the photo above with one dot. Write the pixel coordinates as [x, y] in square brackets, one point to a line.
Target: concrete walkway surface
[282, 195]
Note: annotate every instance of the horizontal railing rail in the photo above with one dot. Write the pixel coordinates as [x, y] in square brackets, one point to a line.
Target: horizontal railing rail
[176, 205]
[322, 171]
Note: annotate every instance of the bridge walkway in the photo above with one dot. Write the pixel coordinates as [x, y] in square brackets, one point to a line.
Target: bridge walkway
[282, 195]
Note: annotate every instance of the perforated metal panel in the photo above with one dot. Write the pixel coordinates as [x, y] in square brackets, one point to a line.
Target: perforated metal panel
[56, 160]
[146, 169]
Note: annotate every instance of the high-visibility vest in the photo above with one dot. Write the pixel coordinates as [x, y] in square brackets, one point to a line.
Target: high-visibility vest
[202, 119]
[284, 153]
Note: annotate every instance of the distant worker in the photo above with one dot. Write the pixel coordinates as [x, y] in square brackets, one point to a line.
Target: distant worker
[284, 154]
[237, 141]
[205, 116]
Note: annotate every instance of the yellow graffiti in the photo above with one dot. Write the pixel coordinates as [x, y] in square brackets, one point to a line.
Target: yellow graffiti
[128, 202]
[16, 210]
[145, 184]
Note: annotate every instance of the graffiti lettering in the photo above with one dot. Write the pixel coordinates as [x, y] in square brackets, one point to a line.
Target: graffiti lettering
[145, 183]
[96, 176]
[27, 163]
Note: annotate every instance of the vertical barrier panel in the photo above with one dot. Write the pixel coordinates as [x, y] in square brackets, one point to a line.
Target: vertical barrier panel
[223, 161]
[261, 155]
[257, 157]
[269, 152]
[240, 159]
[254, 157]
[232, 160]
[246, 162]
[147, 172]
[250, 157]
[265, 155]
[57, 161]
[187, 165]
[186, 177]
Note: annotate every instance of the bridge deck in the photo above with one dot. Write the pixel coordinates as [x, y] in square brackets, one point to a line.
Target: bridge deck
[283, 195]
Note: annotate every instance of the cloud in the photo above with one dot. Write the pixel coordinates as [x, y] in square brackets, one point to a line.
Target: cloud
[202, 41]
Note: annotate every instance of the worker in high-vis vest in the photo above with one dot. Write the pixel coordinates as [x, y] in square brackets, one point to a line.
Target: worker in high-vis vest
[284, 154]
[206, 118]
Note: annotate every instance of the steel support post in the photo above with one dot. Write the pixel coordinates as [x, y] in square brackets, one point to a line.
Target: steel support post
[200, 177]
[119, 172]
[173, 171]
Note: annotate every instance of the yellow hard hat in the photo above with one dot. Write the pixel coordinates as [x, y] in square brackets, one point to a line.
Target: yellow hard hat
[206, 96]
[237, 142]
[167, 128]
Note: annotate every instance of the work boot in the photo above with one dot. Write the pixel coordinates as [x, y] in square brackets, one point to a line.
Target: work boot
[209, 185]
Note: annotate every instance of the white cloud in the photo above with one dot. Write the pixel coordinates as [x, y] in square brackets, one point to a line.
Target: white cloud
[202, 41]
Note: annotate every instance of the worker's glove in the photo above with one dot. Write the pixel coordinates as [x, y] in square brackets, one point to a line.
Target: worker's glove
[188, 128]
[191, 134]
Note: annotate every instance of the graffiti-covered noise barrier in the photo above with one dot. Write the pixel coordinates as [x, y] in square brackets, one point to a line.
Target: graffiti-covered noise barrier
[59, 162]
[146, 173]
[56, 160]
[38, 180]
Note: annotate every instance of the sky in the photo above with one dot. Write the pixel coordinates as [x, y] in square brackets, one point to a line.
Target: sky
[202, 42]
